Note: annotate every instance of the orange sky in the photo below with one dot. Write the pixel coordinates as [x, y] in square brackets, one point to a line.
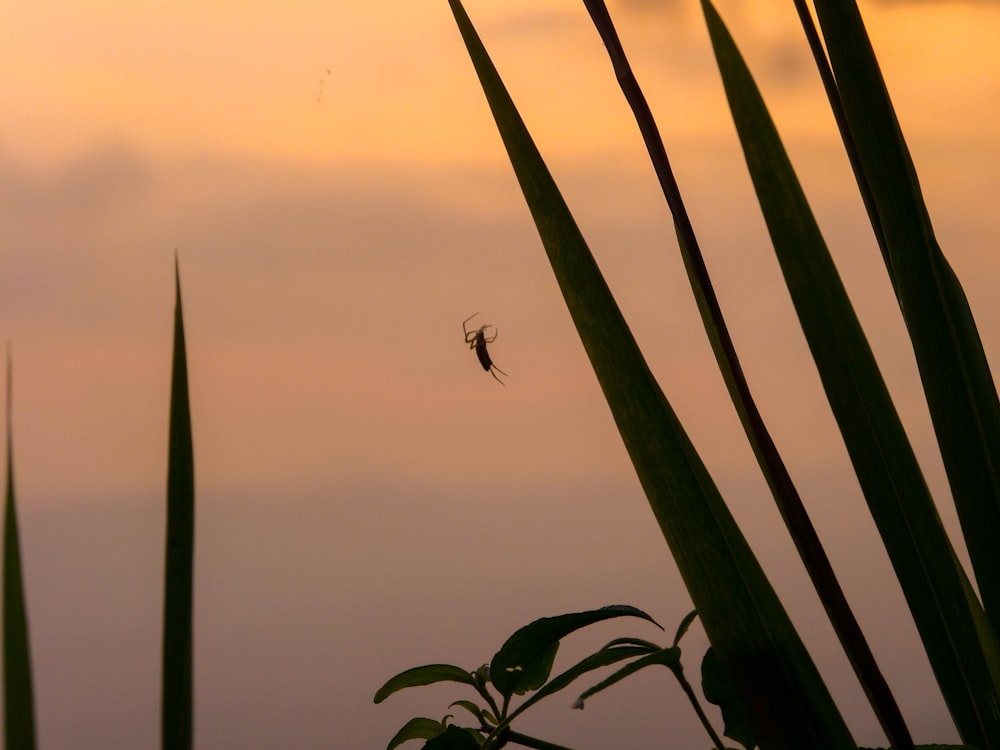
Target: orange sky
[337, 194]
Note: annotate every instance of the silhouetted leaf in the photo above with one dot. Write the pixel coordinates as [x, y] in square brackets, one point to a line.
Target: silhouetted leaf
[611, 654]
[685, 624]
[455, 738]
[525, 661]
[667, 657]
[717, 687]
[425, 675]
[482, 716]
[417, 728]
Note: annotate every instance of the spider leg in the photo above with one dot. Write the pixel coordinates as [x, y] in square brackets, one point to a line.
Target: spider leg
[466, 330]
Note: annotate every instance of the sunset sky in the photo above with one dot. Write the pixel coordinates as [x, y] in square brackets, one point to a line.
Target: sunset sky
[369, 499]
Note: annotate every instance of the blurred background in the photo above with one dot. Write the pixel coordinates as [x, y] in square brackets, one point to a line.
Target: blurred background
[369, 499]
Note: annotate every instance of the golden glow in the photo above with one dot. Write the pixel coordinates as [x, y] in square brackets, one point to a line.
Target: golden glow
[387, 81]
[331, 179]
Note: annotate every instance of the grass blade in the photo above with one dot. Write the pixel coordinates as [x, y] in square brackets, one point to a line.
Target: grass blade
[739, 609]
[961, 394]
[785, 494]
[177, 724]
[19, 703]
[887, 468]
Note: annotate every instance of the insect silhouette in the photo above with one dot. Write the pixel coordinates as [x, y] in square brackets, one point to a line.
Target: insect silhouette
[478, 340]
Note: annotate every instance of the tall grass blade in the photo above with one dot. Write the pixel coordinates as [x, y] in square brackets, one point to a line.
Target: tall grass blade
[177, 724]
[961, 393]
[739, 609]
[785, 494]
[886, 466]
[19, 702]
[837, 109]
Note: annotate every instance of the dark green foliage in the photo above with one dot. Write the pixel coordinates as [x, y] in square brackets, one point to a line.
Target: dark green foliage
[522, 665]
[524, 662]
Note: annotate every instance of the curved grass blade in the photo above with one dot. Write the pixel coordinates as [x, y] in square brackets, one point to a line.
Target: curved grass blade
[19, 702]
[740, 611]
[961, 394]
[524, 662]
[886, 466]
[426, 675]
[785, 494]
[837, 109]
[177, 724]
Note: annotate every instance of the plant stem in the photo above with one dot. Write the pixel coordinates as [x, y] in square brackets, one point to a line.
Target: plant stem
[689, 692]
[525, 741]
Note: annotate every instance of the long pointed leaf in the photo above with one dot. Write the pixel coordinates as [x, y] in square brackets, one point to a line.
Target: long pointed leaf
[19, 702]
[960, 390]
[739, 609]
[525, 660]
[666, 657]
[785, 494]
[887, 468]
[605, 657]
[425, 675]
[177, 725]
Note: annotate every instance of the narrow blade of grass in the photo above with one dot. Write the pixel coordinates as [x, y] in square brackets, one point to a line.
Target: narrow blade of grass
[177, 724]
[19, 702]
[886, 466]
[960, 390]
[739, 609]
[786, 495]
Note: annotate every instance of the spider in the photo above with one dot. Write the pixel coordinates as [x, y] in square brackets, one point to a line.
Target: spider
[477, 340]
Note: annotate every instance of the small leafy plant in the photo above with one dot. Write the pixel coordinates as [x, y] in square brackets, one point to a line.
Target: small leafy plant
[523, 665]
